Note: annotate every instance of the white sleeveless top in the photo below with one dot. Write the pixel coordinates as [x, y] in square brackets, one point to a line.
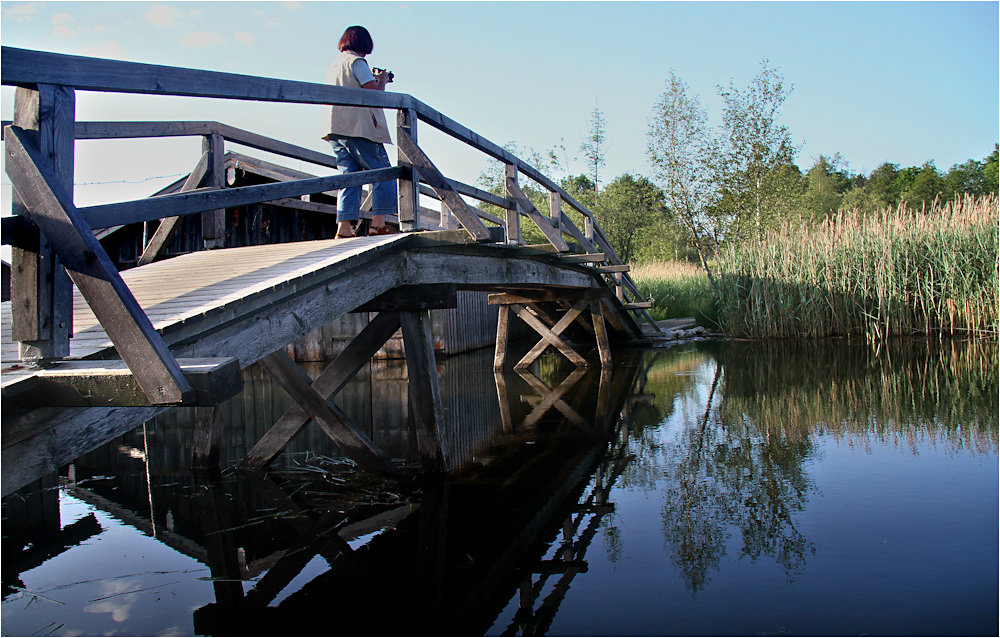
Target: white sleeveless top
[354, 121]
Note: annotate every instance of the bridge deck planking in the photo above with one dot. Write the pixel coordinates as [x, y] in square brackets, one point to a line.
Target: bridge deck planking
[195, 286]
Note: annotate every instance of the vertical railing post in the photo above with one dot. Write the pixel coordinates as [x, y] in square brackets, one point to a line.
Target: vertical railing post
[408, 186]
[555, 210]
[513, 217]
[41, 292]
[213, 222]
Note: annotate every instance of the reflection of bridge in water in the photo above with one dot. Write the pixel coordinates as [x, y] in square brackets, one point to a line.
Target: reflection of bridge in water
[401, 558]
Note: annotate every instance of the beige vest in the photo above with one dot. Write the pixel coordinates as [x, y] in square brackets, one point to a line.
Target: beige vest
[353, 121]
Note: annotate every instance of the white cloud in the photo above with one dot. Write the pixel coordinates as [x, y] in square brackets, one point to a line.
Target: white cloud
[62, 18]
[243, 38]
[202, 39]
[162, 15]
[62, 31]
[292, 4]
[22, 12]
[196, 14]
[110, 49]
[272, 23]
[100, 29]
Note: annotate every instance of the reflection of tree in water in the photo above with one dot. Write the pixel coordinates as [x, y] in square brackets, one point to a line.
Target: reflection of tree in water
[746, 429]
[734, 474]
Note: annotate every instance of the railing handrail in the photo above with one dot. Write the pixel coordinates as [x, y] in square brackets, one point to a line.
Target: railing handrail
[29, 68]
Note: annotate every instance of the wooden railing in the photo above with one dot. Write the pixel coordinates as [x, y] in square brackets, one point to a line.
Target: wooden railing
[40, 149]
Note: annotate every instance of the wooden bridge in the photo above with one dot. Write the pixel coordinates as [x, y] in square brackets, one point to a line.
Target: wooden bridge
[90, 352]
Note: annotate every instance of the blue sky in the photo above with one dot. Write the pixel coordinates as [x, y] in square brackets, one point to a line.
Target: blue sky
[905, 82]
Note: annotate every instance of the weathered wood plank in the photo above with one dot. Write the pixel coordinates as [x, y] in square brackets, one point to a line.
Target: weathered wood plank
[433, 177]
[547, 295]
[425, 393]
[111, 383]
[582, 258]
[503, 336]
[600, 331]
[167, 226]
[548, 336]
[188, 203]
[213, 222]
[137, 342]
[22, 67]
[327, 416]
[543, 223]
[512, 220]
[546, 340]
[408, 185]
[38, 276]
[413, 298]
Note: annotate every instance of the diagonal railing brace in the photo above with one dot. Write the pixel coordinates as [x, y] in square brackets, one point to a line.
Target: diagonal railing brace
[138, 343]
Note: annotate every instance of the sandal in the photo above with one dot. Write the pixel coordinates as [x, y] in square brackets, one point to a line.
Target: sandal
[339, 236]
[381, 230]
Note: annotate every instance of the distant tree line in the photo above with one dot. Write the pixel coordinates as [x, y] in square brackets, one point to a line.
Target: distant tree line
[735, 181]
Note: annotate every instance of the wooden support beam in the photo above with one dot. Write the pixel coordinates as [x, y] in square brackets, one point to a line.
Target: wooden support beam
[503, 336]
[327, 416]
[408, 184]
[600, 331]
[614, 268]
[213, 222]
[110, 383]
[557, 329]
[555, 210]
[167, 226]
[441, 186]
[341, 370]
[549, 295]
[547, 336]
[41, 292]
[425, 394]
[582, 258]
[638, 305]
[413, 298]
[137, 342]
[513, 218]
[543, 223]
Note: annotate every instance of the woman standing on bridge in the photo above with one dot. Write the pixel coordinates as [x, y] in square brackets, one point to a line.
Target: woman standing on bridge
[357, 134]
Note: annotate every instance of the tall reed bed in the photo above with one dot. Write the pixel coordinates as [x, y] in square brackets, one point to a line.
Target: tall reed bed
[901, 272]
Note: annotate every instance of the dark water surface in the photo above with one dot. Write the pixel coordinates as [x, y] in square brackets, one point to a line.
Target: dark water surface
[706, 489]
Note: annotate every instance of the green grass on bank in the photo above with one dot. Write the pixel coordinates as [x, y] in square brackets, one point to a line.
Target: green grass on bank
[677, 289]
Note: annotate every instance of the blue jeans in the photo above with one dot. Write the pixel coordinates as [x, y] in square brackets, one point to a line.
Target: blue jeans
[358, 154]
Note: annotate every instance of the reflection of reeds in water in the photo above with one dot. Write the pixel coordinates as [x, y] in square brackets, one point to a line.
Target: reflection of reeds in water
[897, 273]
[924, 394]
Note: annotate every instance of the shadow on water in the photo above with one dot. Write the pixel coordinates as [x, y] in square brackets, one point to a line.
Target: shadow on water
[723, 438]
[536, 453]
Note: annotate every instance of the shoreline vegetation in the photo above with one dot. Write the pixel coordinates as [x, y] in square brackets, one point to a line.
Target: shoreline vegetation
[899, 272]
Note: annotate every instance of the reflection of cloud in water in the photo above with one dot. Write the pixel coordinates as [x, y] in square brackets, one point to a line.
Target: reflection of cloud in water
[115, 601]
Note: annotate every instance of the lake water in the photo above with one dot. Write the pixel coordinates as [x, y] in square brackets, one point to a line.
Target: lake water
[705, 489]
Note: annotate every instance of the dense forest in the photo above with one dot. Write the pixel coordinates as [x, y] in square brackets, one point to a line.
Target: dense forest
[714, 185]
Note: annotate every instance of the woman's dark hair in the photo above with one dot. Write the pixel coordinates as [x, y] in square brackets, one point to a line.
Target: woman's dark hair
[356, 39]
